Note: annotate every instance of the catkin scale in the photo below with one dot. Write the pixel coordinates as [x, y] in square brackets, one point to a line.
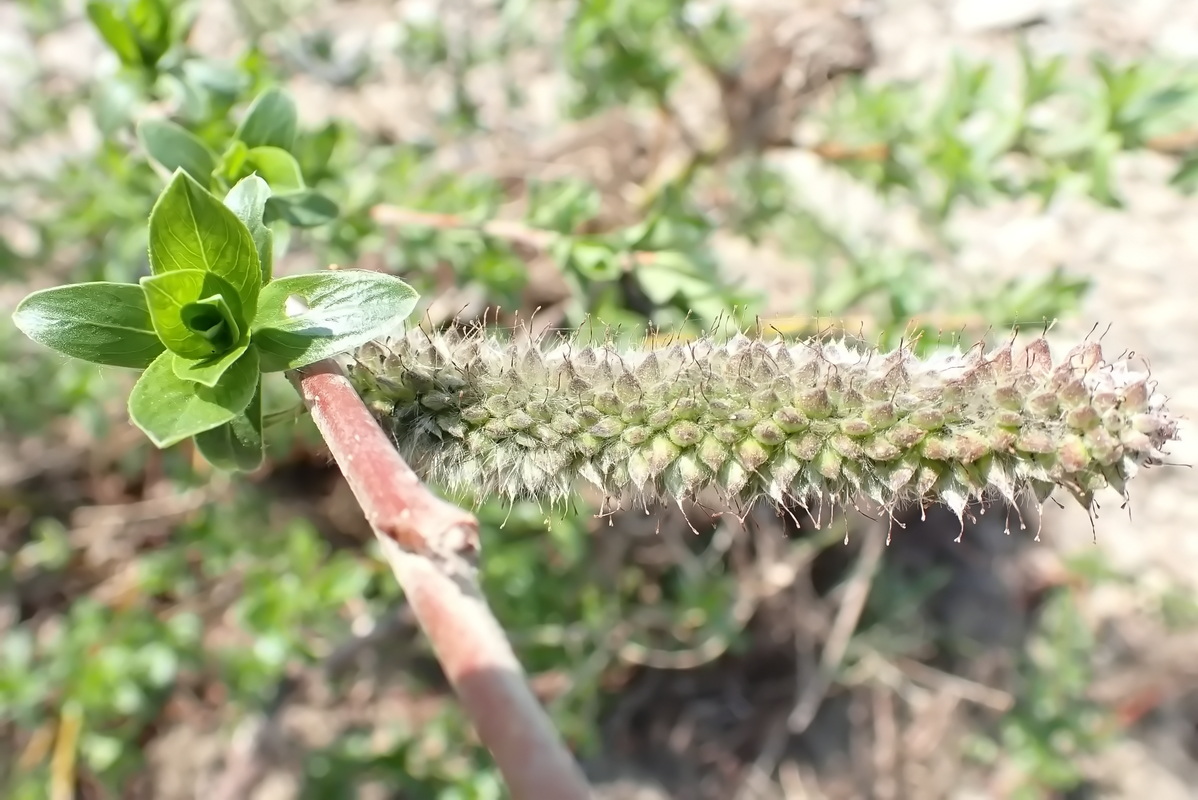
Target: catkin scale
[751, 419]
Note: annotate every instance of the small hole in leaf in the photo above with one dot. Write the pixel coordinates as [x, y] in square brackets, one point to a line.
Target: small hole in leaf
[295, 306]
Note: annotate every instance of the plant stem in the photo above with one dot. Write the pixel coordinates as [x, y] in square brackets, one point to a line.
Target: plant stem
[509, 231]
[396, 503]
[431, 547]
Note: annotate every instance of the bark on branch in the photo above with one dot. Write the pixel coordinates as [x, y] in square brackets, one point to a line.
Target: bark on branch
[432, 547]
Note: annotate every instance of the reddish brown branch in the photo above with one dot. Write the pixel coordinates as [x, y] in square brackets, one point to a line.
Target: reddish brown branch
[396, 503]
[505, 230]
[430, 546]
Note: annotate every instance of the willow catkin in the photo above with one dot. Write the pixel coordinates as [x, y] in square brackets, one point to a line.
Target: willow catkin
[751, 418]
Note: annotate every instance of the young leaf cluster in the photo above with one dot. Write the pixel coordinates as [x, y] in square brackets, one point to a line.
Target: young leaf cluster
[209, 320]
[264, 145]
[986, 135]
[140, 32]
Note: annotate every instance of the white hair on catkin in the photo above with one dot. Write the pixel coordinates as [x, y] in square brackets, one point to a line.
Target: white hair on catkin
[752, 418]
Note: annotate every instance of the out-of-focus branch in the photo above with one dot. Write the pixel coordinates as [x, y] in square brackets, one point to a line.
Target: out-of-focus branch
[505, 230]
[431, 546]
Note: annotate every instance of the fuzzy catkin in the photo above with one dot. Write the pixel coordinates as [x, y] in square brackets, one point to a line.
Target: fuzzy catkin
[751, 418]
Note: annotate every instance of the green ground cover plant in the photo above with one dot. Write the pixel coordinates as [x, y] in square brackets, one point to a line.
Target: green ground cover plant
[192, 301]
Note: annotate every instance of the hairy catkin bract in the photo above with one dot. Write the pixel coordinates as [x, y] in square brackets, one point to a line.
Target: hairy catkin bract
[750, 418]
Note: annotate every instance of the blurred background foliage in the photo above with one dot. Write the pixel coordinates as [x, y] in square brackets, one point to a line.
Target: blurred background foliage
[170, 632]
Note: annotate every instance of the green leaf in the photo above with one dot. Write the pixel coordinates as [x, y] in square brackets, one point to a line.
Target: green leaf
[196, 314]
[206, 371]
[595, 261]
[217, 78]
[669, 274]
[191, 102]
[278, 167]
[304, 318]
[115, 32]
[284, 415]
[175, 147]
[150, 20]
[191, 229]
[104, 323]
[113, 104]
[248, 201]
[1101, 170]
[1186, 178]
[238, 444]
[270, 121]
[314, 150]
[232, 162]
[169, 409]
[305, 209]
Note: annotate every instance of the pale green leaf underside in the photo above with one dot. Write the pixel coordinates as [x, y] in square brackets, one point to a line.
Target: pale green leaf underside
[248, 201]
[104, 323]
[345, 309]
